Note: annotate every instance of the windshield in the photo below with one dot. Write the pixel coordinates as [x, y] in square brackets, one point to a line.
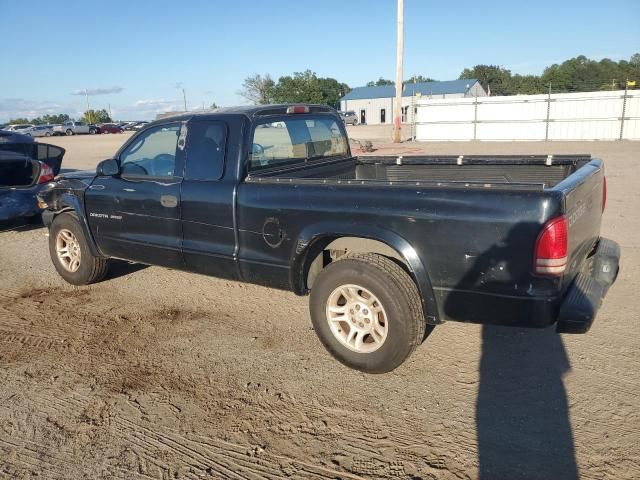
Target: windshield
[296, 139]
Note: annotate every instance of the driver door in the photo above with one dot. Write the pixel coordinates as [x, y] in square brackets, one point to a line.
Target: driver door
[136, 215]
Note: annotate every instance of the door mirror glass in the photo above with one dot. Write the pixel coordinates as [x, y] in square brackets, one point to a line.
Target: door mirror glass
[108, 168]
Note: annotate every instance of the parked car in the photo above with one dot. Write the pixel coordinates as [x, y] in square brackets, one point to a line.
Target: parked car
[140, 125]
[18, 127]
[75, 128]
[349, 118]
[25, 167]
[388, 247]
[110, 128]
[38, 131]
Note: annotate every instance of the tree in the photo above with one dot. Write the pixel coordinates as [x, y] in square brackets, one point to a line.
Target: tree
[96, 116]
[307, 87]
[258, 89]
[380, 82]
[302, 87]
[213, 106]
[490, 76]
[57, 118]
[16, 121]
[418, 79]
[525, 85]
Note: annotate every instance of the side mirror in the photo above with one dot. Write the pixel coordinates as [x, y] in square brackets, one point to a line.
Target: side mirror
[108, 168]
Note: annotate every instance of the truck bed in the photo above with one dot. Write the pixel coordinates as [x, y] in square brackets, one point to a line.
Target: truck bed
[537, 172]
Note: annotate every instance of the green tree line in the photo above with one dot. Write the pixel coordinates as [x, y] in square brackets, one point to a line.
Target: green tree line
[90, 116]
[42, 120]
[579, 74]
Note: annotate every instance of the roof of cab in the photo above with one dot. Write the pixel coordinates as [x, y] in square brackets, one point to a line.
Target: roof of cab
[249, 111]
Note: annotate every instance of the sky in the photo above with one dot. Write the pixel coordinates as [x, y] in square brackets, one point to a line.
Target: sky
[136, 56]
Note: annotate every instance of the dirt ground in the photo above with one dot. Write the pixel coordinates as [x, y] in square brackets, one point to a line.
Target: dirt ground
[159, 374]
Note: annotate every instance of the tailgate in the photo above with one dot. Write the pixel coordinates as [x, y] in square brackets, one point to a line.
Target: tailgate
[583, 204]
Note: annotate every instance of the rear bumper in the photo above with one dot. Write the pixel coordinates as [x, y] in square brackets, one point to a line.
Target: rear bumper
[580, 306]
[19, 203]
[573, 312]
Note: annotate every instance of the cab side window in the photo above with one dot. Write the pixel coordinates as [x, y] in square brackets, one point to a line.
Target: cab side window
[153, 153]
[205, 152]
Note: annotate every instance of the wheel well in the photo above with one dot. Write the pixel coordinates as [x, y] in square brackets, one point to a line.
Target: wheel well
[332, 249]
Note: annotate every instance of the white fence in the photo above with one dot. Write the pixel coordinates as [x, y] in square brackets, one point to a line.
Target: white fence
[610, 115]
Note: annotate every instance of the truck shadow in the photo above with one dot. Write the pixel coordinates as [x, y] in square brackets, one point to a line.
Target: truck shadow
[121, 268]
[20, 225]
[522, 412]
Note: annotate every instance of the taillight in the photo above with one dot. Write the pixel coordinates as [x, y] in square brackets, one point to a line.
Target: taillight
[46, 173]
[604, 192]
[298, 109]
[550, 256]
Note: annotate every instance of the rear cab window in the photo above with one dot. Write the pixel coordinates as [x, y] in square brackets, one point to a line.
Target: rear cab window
[293, 139]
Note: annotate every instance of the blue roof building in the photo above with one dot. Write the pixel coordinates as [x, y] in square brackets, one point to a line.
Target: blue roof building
[374, 105]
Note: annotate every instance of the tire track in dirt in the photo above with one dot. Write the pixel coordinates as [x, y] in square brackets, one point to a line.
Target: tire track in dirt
[123, 355]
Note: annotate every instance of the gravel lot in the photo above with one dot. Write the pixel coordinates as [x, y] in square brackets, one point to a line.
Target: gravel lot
[159, 374]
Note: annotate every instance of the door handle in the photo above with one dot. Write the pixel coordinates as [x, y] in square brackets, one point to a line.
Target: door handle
[169, 201]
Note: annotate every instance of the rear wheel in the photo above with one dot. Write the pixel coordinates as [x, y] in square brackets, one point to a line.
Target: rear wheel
[70, 252]
[367, 312]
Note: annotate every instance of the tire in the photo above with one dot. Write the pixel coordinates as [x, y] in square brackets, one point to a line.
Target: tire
[92, 131]
[48, 134]
[90, 268]
[69, 132]
[395, 297]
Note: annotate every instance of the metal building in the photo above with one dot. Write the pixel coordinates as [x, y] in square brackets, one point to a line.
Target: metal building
[374, 105]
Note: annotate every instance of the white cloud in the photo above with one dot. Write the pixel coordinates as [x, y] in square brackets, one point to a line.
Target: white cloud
[19, 107]
[153, 103]
[98, 91]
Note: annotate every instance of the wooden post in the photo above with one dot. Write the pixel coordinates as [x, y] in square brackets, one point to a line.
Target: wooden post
[397, 114]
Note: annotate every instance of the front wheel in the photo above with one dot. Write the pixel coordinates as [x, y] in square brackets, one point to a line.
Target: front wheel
[69, 132]
[367, 312]
[70, 252]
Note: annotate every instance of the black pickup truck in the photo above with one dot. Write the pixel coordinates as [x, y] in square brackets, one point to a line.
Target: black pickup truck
[386, 246]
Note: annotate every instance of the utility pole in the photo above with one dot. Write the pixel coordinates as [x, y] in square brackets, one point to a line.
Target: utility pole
[184, 97]
[397, 115]
[86, 94]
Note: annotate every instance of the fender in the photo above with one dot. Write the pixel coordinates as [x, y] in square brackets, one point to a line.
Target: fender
[314, 238]
[67, 202]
